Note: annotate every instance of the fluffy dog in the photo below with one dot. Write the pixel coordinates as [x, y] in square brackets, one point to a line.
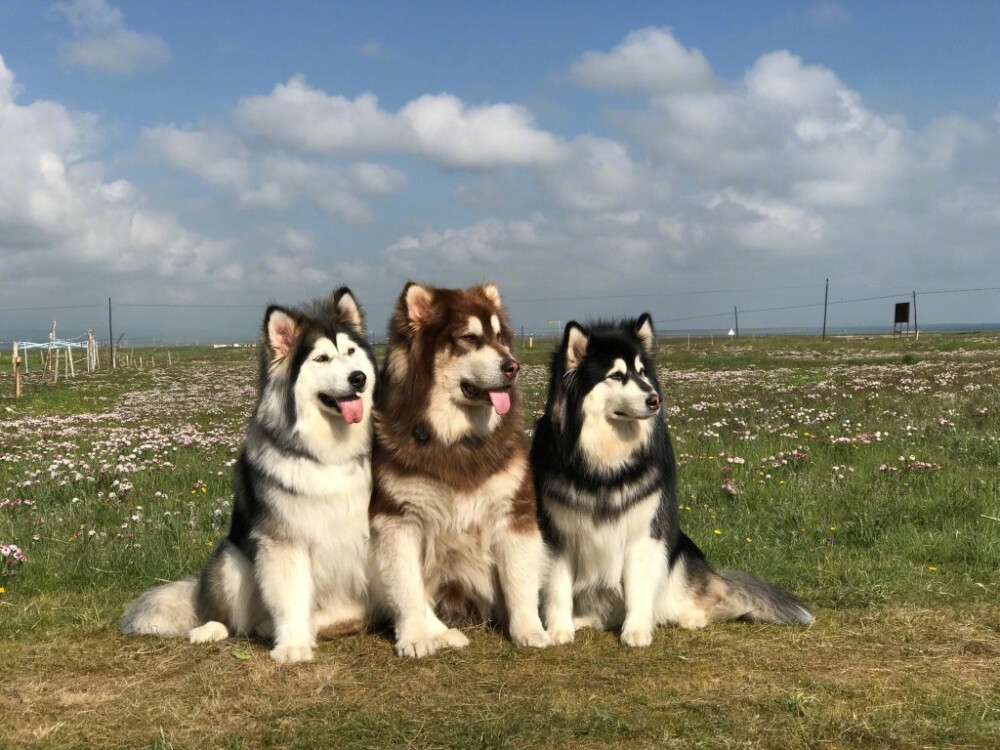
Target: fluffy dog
[606, 480]
[454, 528]
[295, 562]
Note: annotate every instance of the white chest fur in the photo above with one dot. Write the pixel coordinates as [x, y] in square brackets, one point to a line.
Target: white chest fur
[597, 549]
[459, 528]
[330, 523]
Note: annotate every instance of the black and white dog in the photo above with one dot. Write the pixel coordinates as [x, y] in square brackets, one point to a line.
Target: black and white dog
[295, 562]
[606, 480]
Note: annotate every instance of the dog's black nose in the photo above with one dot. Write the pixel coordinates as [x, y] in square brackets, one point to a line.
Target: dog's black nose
[509, 367]
[653, 402]
[357, 379]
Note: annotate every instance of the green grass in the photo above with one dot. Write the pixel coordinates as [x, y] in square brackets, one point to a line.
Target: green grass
[124, 478]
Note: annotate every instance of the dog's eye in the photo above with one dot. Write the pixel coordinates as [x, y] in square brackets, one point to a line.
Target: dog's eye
[322, 358]
[470, 338]
[619, 376]
[351, 351]
[642, 372]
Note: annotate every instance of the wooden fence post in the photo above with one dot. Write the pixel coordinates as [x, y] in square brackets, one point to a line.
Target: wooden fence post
[17, 371]
[53, 366]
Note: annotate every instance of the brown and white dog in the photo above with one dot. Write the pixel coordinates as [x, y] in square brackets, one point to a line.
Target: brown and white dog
[453, 514]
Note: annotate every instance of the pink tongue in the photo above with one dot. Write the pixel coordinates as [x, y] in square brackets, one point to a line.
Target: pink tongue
[352, 409]
[501, 401]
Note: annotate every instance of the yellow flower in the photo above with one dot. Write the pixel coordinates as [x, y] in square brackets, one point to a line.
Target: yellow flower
[749, 540]
[782, 481]
[929, 567]
[203, 489]
[3, 590]
[717, 531]
[805, 434]
[833, 528]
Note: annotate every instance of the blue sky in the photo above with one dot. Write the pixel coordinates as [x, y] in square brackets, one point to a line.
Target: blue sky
[591, 158]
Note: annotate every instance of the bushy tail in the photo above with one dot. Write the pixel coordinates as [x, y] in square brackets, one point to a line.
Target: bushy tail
[167, 611]
[755, 600]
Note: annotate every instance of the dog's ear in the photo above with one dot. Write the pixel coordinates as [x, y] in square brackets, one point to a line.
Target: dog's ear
[419, 303]
[280, 331]
[645, 333]
[576, 340]
[343, 300]
[492, 293]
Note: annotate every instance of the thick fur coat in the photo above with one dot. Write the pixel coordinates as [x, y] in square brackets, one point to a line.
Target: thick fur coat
[454, 519]
[295, 562]
[606, 479]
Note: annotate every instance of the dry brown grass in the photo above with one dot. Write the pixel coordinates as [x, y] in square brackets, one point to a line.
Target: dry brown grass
[890, 678]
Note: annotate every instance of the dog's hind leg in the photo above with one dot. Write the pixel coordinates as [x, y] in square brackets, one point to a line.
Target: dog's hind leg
[228, 600]
[208, 633]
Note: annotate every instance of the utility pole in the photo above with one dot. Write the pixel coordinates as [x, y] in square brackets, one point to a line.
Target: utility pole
[736, 315]
[826, 296]
[111, 335]
[916, 329]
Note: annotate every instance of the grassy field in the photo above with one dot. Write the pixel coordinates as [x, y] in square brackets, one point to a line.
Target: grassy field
[863, 473]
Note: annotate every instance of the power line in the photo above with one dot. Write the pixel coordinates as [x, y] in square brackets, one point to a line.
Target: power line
[660, 294]
[183, 304]
[952, 291]
[55, 307]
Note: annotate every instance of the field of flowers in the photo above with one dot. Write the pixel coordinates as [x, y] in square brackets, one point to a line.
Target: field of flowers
[863, 474]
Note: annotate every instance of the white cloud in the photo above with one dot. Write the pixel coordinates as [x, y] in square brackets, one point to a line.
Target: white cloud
[455, 135]
[103, 42]
[275, 181]
[216, 156]
[780, 175]
[59, 216]
[768, 224]
[783, 173]
[597, 174]
[440, 128]
[295, 115]
[789, 128]
[647, 60]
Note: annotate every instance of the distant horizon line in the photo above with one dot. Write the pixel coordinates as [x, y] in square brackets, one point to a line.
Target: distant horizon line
[548, 333]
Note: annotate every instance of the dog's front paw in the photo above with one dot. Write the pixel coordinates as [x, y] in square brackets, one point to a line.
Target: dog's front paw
[415, 647]
[532, 639]
[637, 638]
[290, 654]
[451, 638]
[561, 636]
